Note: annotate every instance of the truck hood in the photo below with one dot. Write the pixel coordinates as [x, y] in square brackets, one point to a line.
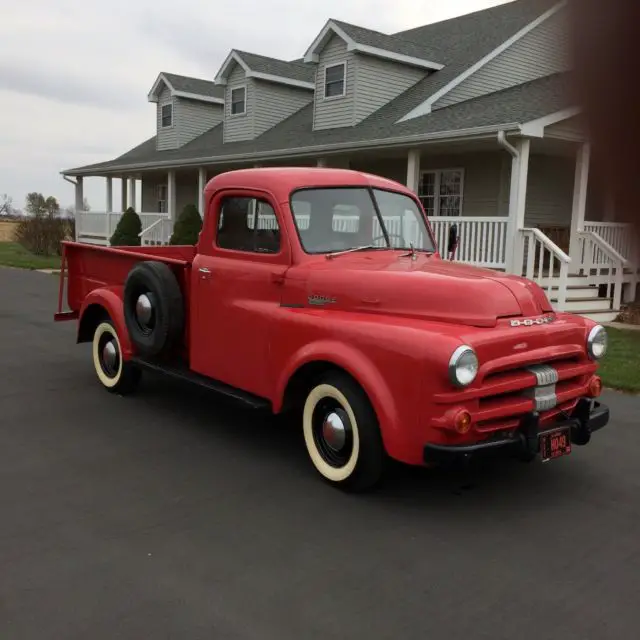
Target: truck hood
[425, 288]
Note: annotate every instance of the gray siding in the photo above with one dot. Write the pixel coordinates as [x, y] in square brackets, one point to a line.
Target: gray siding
[186, 191]
[549, 191]
[542, 52]
[378, 82]
[238, 127]
[168, 137]
[331, 113]
[274, 102]
[193, 118]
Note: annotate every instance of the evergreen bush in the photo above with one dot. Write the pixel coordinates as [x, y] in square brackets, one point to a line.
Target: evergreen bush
[127, 233]
[187, 226]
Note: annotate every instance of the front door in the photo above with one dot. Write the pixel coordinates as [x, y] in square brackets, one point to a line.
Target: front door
[238, 278]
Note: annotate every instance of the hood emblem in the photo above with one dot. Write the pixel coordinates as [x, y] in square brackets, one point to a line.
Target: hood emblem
[530, 322]
[317, 300]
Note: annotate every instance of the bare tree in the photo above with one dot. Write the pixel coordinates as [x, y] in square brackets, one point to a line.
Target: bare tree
[40, 207]
[6, 205]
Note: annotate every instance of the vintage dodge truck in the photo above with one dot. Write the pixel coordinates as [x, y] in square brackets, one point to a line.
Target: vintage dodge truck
[321, 294]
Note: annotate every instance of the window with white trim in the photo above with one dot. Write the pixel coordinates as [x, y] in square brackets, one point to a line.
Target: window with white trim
[166, 115]
[335, 80]
[441, 191]
[238, 101]
[161, 198]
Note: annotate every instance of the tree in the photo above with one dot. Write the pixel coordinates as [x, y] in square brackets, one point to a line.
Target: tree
[6, 205]
[187, 226]
[40, 207]
[127, 233]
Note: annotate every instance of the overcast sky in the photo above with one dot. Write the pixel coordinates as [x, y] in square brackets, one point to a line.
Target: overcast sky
[74, 74]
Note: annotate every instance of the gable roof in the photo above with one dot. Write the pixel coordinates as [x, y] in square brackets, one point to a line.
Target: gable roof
[187, 87]
[373, 43]
[294, 73]
[508, 110]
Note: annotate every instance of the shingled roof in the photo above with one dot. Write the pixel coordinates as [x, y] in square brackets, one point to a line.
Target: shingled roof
[188, 85]
[457, 43]
[258, 66]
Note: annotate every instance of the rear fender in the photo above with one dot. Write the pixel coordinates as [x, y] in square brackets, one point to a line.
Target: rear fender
[109, 299]
[359, 367]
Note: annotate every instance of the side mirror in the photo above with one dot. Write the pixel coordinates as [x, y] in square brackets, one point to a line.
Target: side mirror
[453, 239]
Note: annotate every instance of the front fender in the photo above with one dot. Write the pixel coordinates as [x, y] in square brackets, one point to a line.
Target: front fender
[110, 299]
[362, 369]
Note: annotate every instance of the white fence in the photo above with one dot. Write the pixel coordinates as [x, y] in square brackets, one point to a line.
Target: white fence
[100, 225]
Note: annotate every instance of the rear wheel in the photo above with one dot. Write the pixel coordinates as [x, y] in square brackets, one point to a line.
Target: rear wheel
[341, 433]
[116, 375]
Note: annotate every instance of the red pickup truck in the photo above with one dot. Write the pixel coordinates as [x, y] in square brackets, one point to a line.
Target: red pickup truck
[320, 293]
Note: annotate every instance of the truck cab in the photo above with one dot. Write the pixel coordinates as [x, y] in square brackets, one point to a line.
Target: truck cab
[321, 293]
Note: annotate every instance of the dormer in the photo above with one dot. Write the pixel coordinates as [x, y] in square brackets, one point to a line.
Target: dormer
[359, 71]
[260, 92]
[186, 108]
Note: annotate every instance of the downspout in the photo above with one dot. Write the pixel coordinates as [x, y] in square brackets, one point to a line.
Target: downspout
[510, 252]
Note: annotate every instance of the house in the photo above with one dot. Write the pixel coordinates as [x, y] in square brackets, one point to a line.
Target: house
[471, 113]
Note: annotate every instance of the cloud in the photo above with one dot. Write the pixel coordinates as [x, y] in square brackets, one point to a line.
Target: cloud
[74, 74]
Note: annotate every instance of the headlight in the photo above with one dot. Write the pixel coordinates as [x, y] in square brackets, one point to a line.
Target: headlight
[463, 366]
[597, 342]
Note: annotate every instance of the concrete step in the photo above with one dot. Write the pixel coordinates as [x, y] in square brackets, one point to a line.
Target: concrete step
[585, 304]
[582, 292]
[598, 316]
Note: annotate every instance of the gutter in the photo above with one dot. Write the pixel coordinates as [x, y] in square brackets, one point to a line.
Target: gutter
[68, 179]
[487, 131]
[503, 142]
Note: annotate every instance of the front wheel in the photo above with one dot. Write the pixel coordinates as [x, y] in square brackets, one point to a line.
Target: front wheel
[342, 434]
[116, 375]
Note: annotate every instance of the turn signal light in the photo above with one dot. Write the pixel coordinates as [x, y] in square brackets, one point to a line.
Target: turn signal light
[462, 422]
[595, 387]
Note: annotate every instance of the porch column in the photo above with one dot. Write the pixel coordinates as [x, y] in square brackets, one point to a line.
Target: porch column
[124, 196]
[578, 209]
[517, 206]
[109, 194]
[171, 194]
[413, 170]
[79, 195]
[132, 192]
[202, 183]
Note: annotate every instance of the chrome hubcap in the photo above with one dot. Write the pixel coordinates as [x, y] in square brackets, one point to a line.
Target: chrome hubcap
[334, 431]
[110, 355]
[144, 309]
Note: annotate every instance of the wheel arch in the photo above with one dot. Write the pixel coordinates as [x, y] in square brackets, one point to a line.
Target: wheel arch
[99, 305]
[319, 358]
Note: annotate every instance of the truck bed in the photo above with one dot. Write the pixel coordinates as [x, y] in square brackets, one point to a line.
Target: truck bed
[86, 267]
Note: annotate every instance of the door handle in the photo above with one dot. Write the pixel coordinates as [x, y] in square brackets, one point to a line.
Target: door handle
[204, 270]
[204, 273]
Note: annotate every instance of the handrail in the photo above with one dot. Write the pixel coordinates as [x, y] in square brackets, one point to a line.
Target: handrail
[550, 244]
[605, 247]
[151, 226]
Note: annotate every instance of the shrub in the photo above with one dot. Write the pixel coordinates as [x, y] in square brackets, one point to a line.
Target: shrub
[42, 235]
[187, 226]
[127, 232]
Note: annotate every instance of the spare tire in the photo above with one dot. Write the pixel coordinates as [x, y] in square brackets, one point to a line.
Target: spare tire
[153, 308]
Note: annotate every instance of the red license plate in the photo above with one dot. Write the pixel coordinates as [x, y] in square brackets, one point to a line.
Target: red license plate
[555, 444]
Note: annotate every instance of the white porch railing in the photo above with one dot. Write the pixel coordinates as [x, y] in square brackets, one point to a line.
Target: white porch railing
[618, 236]
[100, 225]
[547, 265]
[483, 240]
[157, 233]
[602, 264]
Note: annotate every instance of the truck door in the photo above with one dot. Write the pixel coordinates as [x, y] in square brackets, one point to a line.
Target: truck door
[238, 276]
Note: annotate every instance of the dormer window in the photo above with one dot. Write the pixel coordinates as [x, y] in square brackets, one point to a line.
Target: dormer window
[334, 80]
[167, 115]
[238, 101]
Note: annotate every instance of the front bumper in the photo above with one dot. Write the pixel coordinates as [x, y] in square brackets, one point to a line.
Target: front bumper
[589, 416]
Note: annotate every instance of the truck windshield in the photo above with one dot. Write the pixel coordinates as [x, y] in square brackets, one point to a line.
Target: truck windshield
[337, 219]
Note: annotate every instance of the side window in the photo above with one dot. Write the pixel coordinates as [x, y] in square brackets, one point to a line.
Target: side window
[248, 224]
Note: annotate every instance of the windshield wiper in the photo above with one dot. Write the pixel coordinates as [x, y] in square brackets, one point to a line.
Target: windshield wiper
[366, 247]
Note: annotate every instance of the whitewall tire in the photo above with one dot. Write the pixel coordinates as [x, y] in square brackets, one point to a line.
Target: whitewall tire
[114, 373]
[341, 433]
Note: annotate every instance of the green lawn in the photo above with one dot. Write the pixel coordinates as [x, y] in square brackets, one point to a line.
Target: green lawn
[14, 255]
[620, 368]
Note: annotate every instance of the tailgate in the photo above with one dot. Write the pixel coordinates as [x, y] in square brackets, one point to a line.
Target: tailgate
[86, 267]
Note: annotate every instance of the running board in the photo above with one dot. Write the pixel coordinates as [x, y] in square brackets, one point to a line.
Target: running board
[181, 372]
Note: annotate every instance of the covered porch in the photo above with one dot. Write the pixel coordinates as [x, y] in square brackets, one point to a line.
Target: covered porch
[524, 205]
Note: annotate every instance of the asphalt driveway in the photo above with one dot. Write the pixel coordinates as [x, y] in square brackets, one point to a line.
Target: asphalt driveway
[171, 515]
